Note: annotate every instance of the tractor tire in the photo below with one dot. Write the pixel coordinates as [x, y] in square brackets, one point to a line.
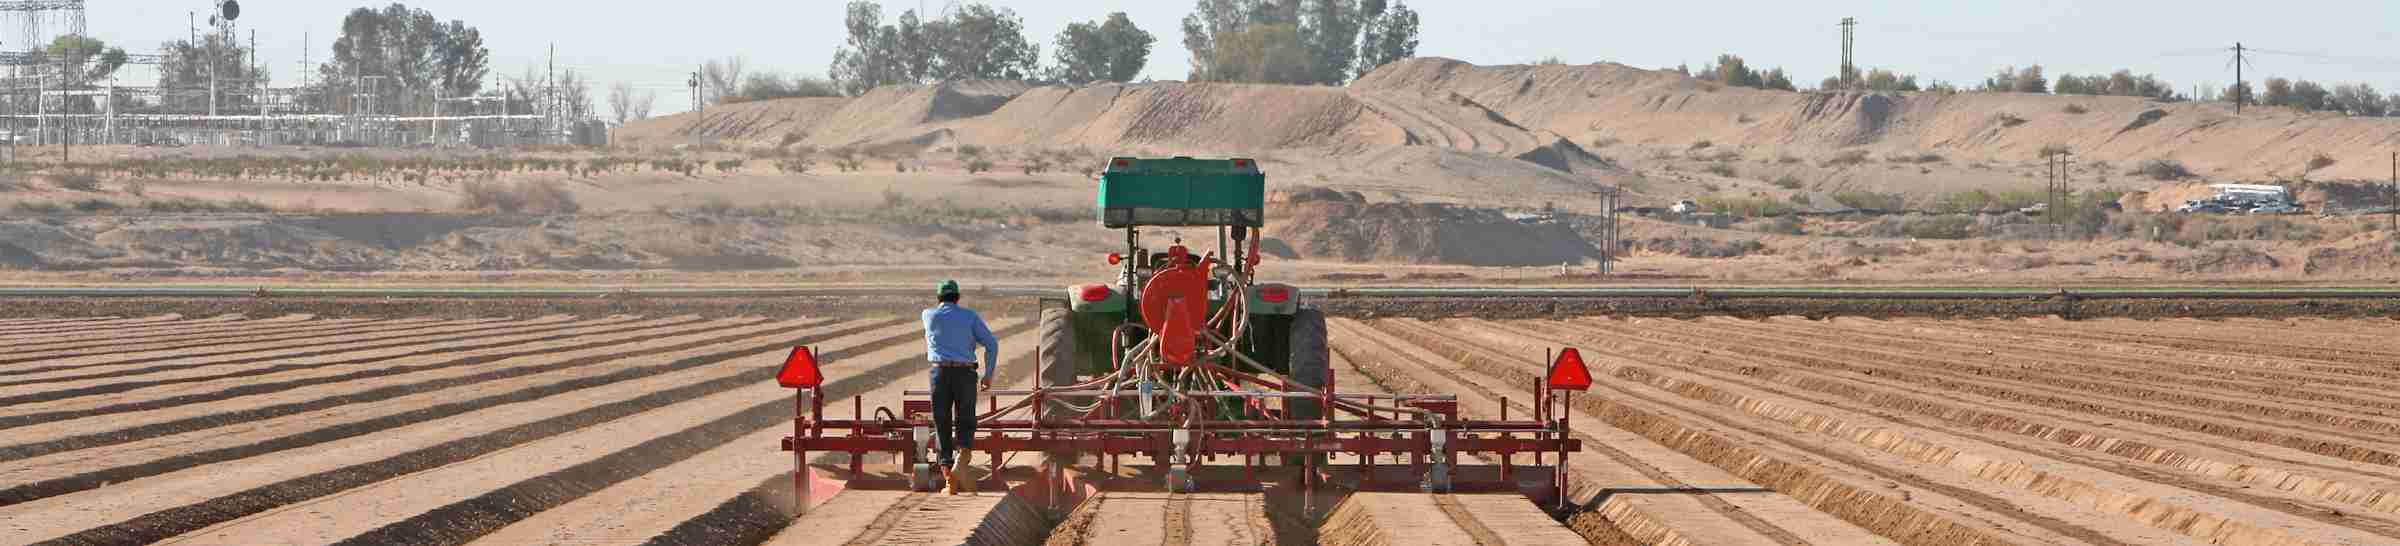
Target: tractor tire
[1311, 361]
[1057, 359]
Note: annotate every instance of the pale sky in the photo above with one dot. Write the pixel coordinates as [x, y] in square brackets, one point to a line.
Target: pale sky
[656, 44]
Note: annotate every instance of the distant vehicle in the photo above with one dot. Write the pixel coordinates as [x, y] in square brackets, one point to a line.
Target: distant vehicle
[2276, 208]
[2036, 210]
[1686, 206]
[2203, 207]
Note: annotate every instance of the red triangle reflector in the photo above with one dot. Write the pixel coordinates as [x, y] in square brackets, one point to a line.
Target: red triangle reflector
[1568, 372]
[800, 370]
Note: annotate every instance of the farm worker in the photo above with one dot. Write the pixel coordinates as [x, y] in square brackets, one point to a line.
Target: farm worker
[951, 334]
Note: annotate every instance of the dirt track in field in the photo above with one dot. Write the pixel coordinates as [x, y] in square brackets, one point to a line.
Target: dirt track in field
[661, 429]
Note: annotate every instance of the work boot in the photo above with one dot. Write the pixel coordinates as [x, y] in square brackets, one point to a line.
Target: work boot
[949, 481]
[964, 475]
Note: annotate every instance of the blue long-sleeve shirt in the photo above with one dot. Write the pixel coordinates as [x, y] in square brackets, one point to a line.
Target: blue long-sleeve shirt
[951, 334]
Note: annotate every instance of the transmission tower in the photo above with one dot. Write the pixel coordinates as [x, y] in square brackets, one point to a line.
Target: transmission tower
[40, 21]
[1849, 39]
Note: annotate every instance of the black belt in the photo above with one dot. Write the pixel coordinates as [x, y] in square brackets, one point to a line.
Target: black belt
[968, 365]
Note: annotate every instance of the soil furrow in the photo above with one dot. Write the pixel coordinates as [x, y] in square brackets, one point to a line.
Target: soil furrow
[200, 446]
[163, 524]
[251, 384]
[463, 521]
[1696, 503]
[120, 436]
[2168, 506]
[65, 333]
[674, 504]
[2366, 492]
[216, 332]
[2336, 361]
[315, 330]
[14, 395]
[1833, 481]
[100, 326]
[247, 353]
[2274, 435]
[2354, 432]
[2229, 371]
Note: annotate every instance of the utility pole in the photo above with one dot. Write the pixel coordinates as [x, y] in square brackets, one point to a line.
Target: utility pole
[2241, 94]
[2395, 197]
[1849, 39]
[553, 93]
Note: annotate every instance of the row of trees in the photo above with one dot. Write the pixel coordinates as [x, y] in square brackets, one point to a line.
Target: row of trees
[1729, 69]
[1324, 42]
[974, 41]
[2355, 99]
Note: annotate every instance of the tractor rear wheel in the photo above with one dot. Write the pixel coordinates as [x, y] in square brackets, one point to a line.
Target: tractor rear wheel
[1057, 359]
[1311, 361]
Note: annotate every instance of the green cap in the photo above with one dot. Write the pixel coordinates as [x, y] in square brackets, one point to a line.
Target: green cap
[948, 287]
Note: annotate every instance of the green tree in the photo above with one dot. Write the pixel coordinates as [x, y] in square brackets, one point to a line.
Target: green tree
[185, 65]
[979, 42]
[1263, 54]
[2310, 97]
[412, 55]
[2239, 92]
[1775, 78]
[2279, 93]
[974, 42]
[87, 59]
[771, 86]
[1111, 50]
[1388, 34]
[1330, 28]
[1886, 80]
[871, 57]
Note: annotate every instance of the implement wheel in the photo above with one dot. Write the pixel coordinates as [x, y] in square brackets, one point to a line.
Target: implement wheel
[1311, 361]
[1311, 365]
[1058, 360]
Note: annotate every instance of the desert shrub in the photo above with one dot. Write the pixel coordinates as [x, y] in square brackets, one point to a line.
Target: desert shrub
[37, 207]
[794, 165]
[2010, 120]
[1941, 227]
[1905, 157]
[2076, 109]
[188, 206]
[1788, 224]
[95, 206]
[729, 165]
[2319, 162]
[979, 166]
[1701, 145]
[1743, 206]
[540, 197]
[1788, 182]
[715, 205]
[1867, 200]
[1802, 199]
[2165, 170]
[1787, 159]
[77, 182]
[1722, 169]
[969, 151]
[1604, 142]
[1847, 157]
[137, 189]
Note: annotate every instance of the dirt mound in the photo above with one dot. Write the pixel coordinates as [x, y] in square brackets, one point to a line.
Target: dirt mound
[905, 113]
[2224, 258]
[761, 123]
[1635, 105]
[1183, 119]
[2369, 257]
[1422, 234]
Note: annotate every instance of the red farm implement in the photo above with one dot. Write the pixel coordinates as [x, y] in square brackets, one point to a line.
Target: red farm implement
[1214, 382]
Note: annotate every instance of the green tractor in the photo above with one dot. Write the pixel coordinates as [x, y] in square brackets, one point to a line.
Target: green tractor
[1090, 332]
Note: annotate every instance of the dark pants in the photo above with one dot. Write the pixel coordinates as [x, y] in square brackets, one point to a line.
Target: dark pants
[953, 411]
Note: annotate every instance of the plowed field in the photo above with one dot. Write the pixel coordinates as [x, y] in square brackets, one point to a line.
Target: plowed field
[662, 429]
